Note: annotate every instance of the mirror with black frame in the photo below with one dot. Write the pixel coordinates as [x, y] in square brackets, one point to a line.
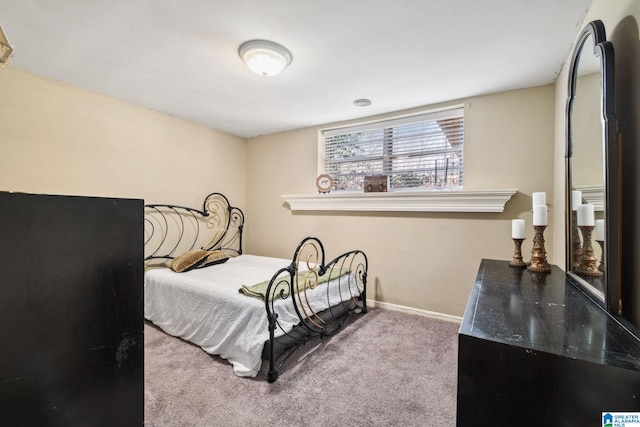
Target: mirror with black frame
[592, 232]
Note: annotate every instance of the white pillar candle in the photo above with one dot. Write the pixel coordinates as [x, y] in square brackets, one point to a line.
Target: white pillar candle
[576, 199]
[585, 215]
[517, 229]
[540, 215]
[539, 199]
[600, 230]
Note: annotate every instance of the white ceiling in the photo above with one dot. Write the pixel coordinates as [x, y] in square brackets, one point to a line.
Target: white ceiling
[180, 56]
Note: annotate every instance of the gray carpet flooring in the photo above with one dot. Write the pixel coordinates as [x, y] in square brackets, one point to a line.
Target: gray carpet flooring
[384, 369]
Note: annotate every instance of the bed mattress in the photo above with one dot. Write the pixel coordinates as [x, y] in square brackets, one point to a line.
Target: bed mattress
[204, 306]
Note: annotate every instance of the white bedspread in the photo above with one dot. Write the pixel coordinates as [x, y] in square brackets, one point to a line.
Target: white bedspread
[203, 306]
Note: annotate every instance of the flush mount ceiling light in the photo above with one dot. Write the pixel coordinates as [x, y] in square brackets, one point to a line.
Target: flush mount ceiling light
[6, 50]
[264, 57]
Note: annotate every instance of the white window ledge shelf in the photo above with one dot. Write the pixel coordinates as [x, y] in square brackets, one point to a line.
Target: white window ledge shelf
[431, 201]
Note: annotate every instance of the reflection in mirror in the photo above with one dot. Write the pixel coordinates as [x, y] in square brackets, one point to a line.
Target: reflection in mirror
[587, 172]
[591, 168]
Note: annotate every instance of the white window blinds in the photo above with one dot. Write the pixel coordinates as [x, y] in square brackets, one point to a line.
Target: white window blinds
[423, 151]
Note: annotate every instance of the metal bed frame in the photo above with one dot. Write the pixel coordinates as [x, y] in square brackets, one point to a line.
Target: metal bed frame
[171, 230]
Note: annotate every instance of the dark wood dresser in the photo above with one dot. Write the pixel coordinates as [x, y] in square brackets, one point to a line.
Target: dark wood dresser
[71, 311]
[534, 350]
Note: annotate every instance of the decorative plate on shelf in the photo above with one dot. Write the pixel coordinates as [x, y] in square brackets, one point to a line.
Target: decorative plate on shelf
[324, 183]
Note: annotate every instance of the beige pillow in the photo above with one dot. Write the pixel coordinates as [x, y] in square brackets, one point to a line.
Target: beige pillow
[188, 260]
[196, 258]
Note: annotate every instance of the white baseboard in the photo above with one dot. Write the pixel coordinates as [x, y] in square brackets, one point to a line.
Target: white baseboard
[411, 310]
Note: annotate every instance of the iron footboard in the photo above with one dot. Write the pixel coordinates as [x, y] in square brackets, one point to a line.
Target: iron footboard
[340, 290]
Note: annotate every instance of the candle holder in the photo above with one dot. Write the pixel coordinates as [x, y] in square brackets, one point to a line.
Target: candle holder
[601, 266]
[577, 243]
[517, 254]
[587, 265]
[539, 262]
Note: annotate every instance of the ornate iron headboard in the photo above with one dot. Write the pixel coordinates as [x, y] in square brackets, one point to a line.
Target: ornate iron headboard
[171, 230]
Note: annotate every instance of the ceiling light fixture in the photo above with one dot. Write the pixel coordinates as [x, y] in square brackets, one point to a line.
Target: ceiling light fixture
[362, 102]
[264, 57]
[6, 50]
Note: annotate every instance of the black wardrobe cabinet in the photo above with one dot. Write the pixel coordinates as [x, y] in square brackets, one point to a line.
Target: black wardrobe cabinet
[71, 311]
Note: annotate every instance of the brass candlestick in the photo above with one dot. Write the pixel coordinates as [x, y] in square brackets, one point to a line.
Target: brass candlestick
[538, 253]
[577, 243]
[587, 266]
[517, 254]
[601, 266]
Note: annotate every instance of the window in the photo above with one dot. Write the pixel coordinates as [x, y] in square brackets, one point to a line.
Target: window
[416, 152]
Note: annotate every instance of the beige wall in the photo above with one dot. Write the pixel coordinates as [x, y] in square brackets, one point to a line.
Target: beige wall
[59, 139]
[421, 260]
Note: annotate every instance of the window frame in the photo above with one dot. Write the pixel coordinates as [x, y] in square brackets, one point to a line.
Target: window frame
[391, 121]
